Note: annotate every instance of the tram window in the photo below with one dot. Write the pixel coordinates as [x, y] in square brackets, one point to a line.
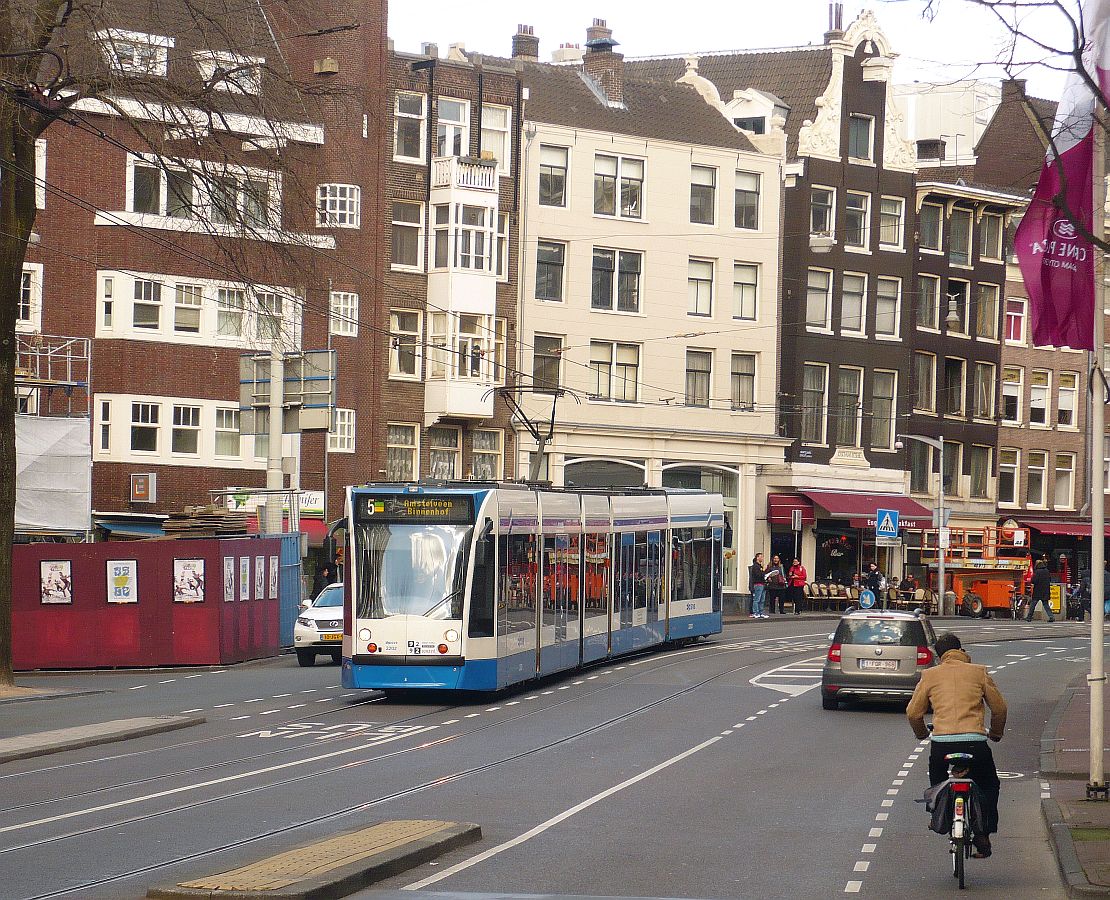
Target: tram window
[654, 568]
[624, 564]
[641, 570]
[682, 564]
[596, 587]
[517, 581]
[481, 593]
[703, 561]
[560, 580]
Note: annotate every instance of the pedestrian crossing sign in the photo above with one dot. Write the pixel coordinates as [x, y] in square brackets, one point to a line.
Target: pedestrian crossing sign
[886, 523]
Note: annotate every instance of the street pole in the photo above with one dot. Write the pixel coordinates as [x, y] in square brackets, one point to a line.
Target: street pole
[275, 480]
[941, 581]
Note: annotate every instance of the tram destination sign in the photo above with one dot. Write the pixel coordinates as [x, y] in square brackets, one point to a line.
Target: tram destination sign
[434, 510]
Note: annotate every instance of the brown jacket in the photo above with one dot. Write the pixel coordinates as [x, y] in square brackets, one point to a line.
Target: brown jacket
[956, 690]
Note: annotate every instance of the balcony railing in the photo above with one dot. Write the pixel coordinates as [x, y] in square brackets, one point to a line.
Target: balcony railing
[464, 172]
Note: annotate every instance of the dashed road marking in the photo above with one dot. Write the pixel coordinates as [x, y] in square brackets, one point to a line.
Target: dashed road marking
[852, 887]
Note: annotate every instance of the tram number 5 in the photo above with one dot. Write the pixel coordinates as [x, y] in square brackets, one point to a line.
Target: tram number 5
[414, 647]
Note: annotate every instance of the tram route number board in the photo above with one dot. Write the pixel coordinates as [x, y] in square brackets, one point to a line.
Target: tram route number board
[435, 510]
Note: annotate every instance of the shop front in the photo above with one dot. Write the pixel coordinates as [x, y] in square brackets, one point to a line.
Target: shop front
[1066, 545]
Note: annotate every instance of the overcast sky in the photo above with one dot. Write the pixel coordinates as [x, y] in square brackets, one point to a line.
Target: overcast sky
[946, 48]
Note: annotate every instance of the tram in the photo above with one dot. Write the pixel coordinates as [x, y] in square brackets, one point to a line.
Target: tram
[478, 586]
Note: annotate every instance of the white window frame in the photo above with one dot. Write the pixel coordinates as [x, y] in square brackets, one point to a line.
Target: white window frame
[565, 151]
[1035, 390]
[970, 214]
[614, 297]
[986, 495]
[939, 248]
[745, 291]
[991, 254]
[1015, 469]
[712, 185]
[932, 357]
[963, 330]
[954, 455]
[896, 330]
[865, 246]
[857, 424]
[146, 415]
[188, 298]
[504, 166]
[1042, 502]
[889, 445]
[343, 313]
[619, 210]
[186, 422]
[701, 353]
[338, 205]
[239, 74]
[825, 326]
[844, 328]
[453, 128]
[395, 337]
[1056, 470]
[417, 226]
[540, 383]
[31, 278]
[341, 434]
[822, 413]
[412, 449]
[1072, 396]
[112, 40]
[933, 326]
[988, 414]
[475, 452]
[222, 427]
[1020, 317]
[562, 246]
[422, 118]
[1020, 394]
[501, 263]
[104, 425]
[693, 287]
[40, 173]
[829, 210]
[870, 120]
[987, 287]
[454, 451]
[901, 224]
[737, 404]
[961, 412]
[611, 395]
[737, 191]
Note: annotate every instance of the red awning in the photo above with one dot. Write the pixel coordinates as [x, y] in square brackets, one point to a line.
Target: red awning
[780, 506]
[316, 529]
[1075, 529]
[860, 509]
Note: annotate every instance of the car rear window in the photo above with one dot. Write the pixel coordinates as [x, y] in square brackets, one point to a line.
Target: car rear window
[880, 631]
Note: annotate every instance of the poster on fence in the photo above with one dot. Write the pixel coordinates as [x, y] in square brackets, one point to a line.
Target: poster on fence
[244, 578]
[274, 568]
[56, 581]
[123, 581]
[260, 578]
[188, 580]
[229, 579]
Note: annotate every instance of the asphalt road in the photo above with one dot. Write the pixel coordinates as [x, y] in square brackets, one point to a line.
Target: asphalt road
[705, 772]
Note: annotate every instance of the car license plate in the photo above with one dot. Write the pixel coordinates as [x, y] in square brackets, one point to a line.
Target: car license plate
[878, 664]
[331, 637]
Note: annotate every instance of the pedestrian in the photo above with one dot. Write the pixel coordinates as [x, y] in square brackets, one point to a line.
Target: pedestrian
[796, 579]
[322, 580]
[874, 582]
[757, 585]
[774, 582]
[1042, 586]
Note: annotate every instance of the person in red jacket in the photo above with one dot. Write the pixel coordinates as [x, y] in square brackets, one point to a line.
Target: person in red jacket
[796, 578]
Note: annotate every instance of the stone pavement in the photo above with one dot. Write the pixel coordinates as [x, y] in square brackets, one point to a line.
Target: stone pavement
[1080, 828]
[41, 743]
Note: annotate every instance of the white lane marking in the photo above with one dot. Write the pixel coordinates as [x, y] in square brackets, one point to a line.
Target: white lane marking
[449, 722]
[555, 820]
[773, 706]
[493, 709]
[762, 712]
[296, 706]
[728, 731]
[269, 712]
[591, 678]
[222, 705]
[322, 700]
[281, 695]
[195, 676]
[564, 687]
[1019, 655]
[512, 703]
[903, 773]
[750, 719]
[137, 687]
[1044, 786]
[309, 691]
[892, 792]
[170, 792]
[862, 866]
[237, 718]
[168, 681]
[198, 709]
[577, 682]
[897, 782]
[1045, 795]
[852, 887]
[869, 848]
[255, 700]
[533, 697]
[888, 803]
[875, 832]
[472, 715]
[881, 817]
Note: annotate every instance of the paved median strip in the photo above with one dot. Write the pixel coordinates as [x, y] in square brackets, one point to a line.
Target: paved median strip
[44, 742]
[332, 867]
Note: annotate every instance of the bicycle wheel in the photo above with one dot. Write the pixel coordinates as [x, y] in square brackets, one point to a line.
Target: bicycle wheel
[958, 859]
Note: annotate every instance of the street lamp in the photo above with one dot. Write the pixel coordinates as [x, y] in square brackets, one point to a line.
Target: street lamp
[938, 445]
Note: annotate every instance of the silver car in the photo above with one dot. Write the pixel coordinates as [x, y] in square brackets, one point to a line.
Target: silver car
[319, 627]
[877, 655]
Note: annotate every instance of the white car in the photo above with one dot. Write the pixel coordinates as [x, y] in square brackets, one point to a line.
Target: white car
[319, 627]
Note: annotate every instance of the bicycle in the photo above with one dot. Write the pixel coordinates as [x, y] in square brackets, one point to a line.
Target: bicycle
[1019, 601]
[961, 835]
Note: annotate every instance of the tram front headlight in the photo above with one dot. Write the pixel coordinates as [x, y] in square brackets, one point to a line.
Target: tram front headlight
[451, 635]
[364, 634]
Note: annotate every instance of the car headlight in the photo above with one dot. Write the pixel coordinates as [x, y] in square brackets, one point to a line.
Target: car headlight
[307, 623]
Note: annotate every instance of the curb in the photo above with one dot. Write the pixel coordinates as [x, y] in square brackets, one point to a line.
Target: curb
[48, 694]
[167, 723]
[347, 879]
[1066, 858]
[1047, 764]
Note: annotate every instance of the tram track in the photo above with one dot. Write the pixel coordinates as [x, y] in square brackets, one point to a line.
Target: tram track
[393, 795]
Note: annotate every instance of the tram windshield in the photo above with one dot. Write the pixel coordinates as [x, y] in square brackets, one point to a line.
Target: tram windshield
[411, 570]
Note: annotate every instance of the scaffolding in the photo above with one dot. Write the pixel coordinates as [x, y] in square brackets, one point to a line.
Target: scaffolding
[52, 375]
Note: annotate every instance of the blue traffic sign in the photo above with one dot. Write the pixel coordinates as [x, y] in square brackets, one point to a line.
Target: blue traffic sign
[886, 523]
[866, 599]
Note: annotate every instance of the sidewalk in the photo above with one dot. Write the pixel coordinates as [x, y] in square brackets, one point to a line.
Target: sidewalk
[1080, 829]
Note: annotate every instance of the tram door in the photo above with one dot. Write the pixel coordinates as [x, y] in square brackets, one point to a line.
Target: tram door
[560, 631]
[596, 577]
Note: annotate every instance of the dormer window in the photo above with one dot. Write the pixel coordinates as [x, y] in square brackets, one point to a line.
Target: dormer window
[753, 124]
[135, 53]
[225, 71]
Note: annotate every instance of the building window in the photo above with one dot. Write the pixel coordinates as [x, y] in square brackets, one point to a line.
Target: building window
[400, 453]
[343, 313]
[619, 269]
[1008, 468]
[986, 312]
[404, 344]
[496, 122]
[819, 299]
[338, 205]
[502, 246]
[1011, 394]
[745, 291]
[822, 205]
[29, 304]
[958, 294]
[703, 195]
[611, 172]
[979, 470]
[888, 306]
[241, 199]
[892, 214]
[853, 303]
[452, 127]
[408, 127]
[1040, 387]
[549, 270]
[984, 391]
[924, 382]
[407, 235]
[108, 310]
[954, 386]
[743, 381]
[1067, 394]
[699, 375]
[470, 347]
[1015, 320]
[859, 136]
[487, 456]
[230, 71]
[135, 53]
[1035, 484]
[990, 237]
[547, 360]
[185, 436]
[438, 363]
[814, 398]
[341, 435]
[553, 175]
[268, 319]
[849, 394]
[187, 302]
[930, 226]
[754, 124]
[105, 425]
[928, 301]
[227, 432]
[144, 427]
[921, 465]
[1064, 496]
[616, 370]
[147, 309]
[700, 283]
[951, 475]
[231, 304]
[746, 207]
[444, 453]
[883, 409]
[161, 191]
[959, 237]
[857, 215]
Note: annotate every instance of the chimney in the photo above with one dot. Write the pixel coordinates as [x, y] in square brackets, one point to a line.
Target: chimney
[602, 64]
[1013, 89]
[932, 148]
[429, 49]
[836, 23]
[567, 53]
[525, 44]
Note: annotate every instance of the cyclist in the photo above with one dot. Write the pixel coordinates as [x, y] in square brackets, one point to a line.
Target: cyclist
[956, 691]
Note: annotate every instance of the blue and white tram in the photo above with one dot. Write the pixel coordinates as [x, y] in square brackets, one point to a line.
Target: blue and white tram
[472, 587]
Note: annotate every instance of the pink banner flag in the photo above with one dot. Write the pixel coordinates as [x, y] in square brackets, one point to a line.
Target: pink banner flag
[1057, 263]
